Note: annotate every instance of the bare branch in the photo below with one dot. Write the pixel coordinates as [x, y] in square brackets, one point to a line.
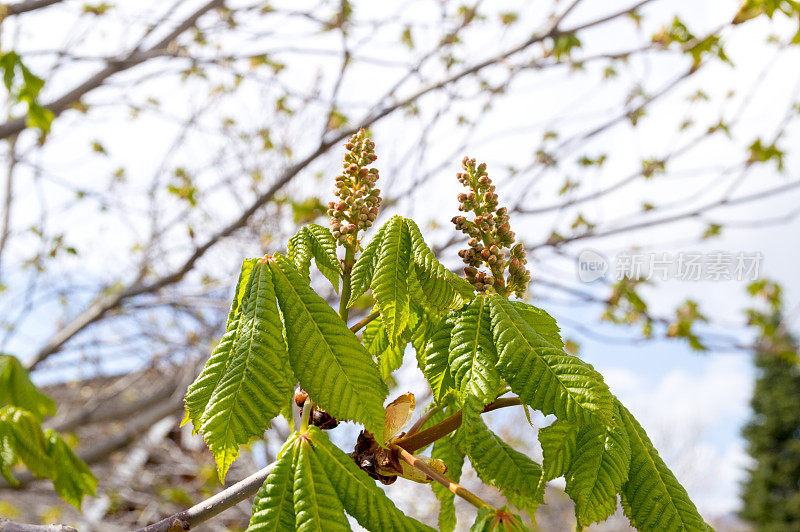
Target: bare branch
[8, 200]
[212, 506]
[61, 104]
[11, 526]
[693, 213]
[18, 8]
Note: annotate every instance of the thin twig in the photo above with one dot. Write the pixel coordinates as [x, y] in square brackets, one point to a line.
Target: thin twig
[431, 434]
[11, 526]
[17, 8]
[212, 506]
[61, 104]
[457, 489]
[104, 304]
[363, 323]
[421, 421]
[8, 200]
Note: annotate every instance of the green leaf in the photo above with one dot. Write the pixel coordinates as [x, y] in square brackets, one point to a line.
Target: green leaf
[317, 242]
[391, 360]
[541, 322]
[241, 285]
[73, 479]
[25, 441]
[442, 288]
[45, 455]
[437, 354]
[359, 494]
[422, 323]
[374, 337]
[256, 380]
[316, 503]
[652, 498]
[273, 508]
[7, 457]
[377, 344]
[199, 392]
[599, 469]
[326, 357]
[16, 389]
[558, 447]
[364, 268]
[545, 377]
[390, 282]
[472, 353]
[497, 463]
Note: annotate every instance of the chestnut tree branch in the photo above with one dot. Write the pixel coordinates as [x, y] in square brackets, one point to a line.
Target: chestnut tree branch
[457, 489]
[11, 526]
[424, 438]
[205, 510]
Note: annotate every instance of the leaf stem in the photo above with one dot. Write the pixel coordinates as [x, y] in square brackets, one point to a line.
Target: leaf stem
[308, 404]
[461, 491]
[363, 323]
[424, 438]
[421, 421]
[349, 260]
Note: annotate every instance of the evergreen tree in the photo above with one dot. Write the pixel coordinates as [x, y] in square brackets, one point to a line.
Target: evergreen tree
[771, 492]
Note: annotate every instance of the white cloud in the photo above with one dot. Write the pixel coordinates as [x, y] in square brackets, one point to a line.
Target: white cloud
[694, 419]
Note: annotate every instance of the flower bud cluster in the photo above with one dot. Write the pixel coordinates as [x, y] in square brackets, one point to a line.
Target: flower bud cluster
[359, 200]
[490, 235]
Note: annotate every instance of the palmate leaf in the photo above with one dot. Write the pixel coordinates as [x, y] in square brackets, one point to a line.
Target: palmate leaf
[541, 322]
[437, 355]
[558, 441]
[377, 344]
[390, 357]
[326, 357]
[316, 502]
[472, 353]
[599, 468]
[421, 322]
[364, 268]
[374, 337]
[391, 360]
[256, 381]
[423, 319]
[45, 455]
[652, 498]
[497, 463]
[273, 508]
[390, 281]
[24, 437]
[442, 288]
[7, 457]
[16, 389]
[358, 493]
[317, 242]
[428, 282]
[72, 479]
[199, 392]
[545, 377]
[311, 486]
